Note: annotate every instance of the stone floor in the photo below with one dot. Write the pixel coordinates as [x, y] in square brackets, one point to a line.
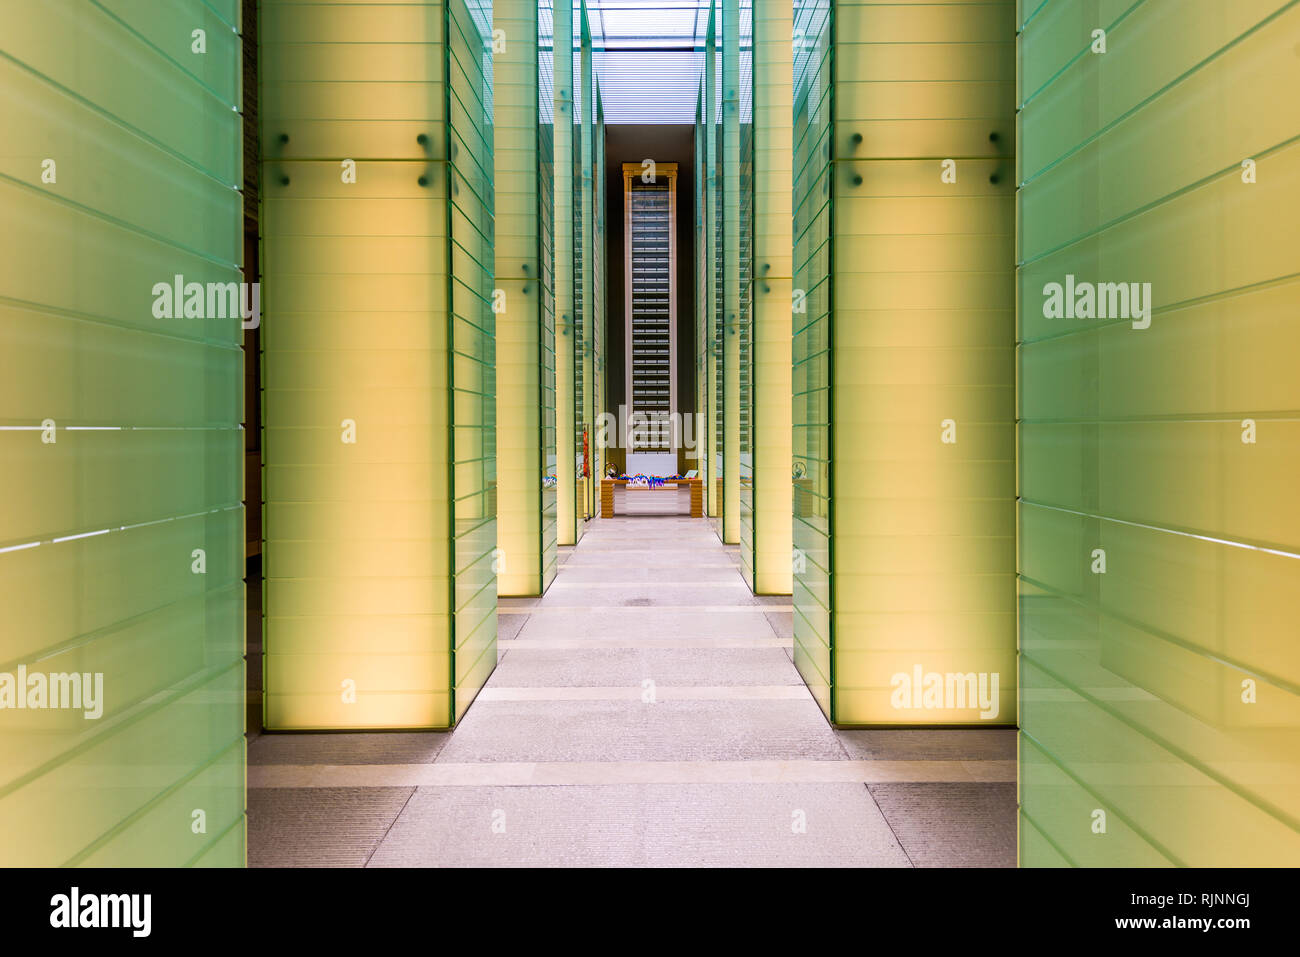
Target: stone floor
[645, 712]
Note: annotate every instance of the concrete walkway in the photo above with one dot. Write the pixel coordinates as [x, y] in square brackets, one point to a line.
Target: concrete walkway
[645, 712]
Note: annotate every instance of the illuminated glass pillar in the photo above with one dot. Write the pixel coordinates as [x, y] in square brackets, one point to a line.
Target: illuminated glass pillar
[718, 265]
[702, 286]
[588, 263]
[547, 281]
[731, 322]
[745, 330]
[1159, 552]
[599, 275]
[122, 537]
[904, 351]
[711, 465]
[568, 518]
[810, 340]
[769, 498]
[378, 356]
[525, 344]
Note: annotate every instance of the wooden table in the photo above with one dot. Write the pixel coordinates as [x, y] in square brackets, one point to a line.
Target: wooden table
[696, 485]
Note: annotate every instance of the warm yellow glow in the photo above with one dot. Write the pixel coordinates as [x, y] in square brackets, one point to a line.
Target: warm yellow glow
[371, 573]
[772, 447]
[923, 407]
[518, 326]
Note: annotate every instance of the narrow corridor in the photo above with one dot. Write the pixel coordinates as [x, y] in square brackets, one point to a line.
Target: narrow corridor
[645, 712]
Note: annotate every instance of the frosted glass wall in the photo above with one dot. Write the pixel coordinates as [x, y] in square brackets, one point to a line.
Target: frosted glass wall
[567, 294]
[770, 399]
[122, 540]
[378, 351]
[585, 265]
[1159, 532]
[737, 163]
[582, 148]
[546, 194]
[575, 109]
[599, 287]
[525, 344]
[810, 344]
[703, 284]
[904, 352]
[708, 249]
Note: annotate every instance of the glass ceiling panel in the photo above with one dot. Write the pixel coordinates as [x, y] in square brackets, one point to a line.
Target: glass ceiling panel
[649, 55]
[658, 87]
[671, 24]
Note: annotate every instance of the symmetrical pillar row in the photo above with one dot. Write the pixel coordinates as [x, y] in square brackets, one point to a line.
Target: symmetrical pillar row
[996, 326]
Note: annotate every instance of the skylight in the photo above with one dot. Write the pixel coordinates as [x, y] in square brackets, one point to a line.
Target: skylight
[649, 57]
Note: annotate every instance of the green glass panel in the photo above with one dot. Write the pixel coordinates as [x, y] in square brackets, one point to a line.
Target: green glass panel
[1159, 544]
[711, 462]
[122, 554]
[736, 158]
[586, 263]
[599, 286]
[701, 295]
[567, 206]
[546, 233]
[473, 370]
[810, 385]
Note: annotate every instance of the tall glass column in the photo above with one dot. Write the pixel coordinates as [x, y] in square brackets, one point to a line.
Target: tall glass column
[770, 503]
[122, 537]
[524, 342]
[1159, 559]
[378, 359]
[904, 351]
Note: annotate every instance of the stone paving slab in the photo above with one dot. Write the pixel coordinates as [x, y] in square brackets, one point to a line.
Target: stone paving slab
[952, 824]
[390, 747]
[632, 666]
[770, 825]
[635, 731]
[951, 744]
[319, 827]
[646, 622]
